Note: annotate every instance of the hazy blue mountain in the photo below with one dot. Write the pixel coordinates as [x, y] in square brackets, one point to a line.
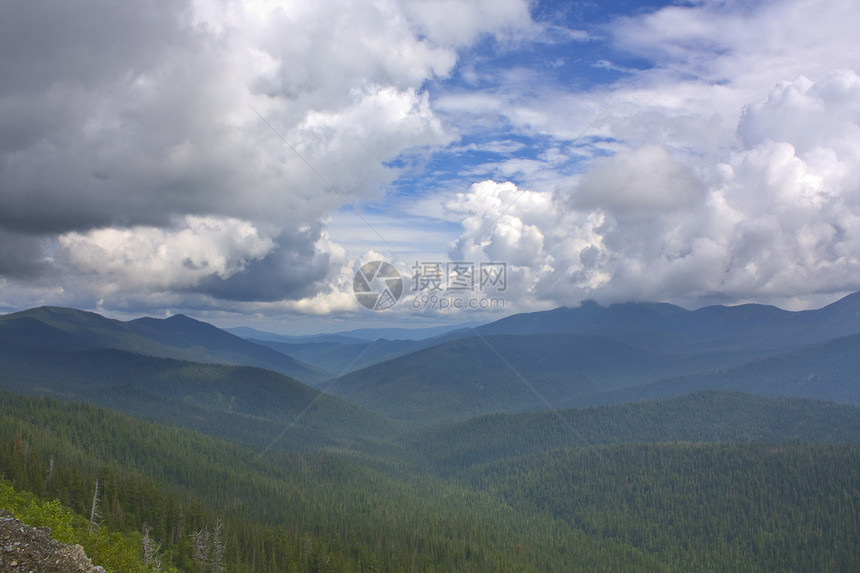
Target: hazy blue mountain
[337, 359]
[258, 335]
[340, 353]
[177, 337]
[561, 358]
[827, 371]
[210, 344]
[371, 334]
[671, 328]
[637, 486]
[352, 336]
[71, 329]
[593, 354]
[479, 375]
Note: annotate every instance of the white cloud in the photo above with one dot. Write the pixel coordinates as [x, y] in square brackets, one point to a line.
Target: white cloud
[765, 224]
[458, 23]
[133, 159]
[131, 137]
[643, 180]
[153, 258]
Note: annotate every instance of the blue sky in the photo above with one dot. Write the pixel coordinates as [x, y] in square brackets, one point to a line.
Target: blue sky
[238, 161]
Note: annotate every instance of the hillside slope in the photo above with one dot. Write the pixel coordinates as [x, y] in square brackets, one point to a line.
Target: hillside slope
[479, 375]
[178, 337]
[248, 404]
[827, 371]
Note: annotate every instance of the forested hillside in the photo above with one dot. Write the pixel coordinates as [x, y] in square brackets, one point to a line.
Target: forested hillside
[710, 416]
[700, 507]
[638, 507]
[464, 378]
[280, 511]
[461, 456]
[248, 404]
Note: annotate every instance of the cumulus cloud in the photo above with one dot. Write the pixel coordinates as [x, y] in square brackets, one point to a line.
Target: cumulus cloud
[133, 154]
[461, 23]
[297, 268]
[143, 157]
[157, 258]
[778, 216]
[808, 114]
[642, 180]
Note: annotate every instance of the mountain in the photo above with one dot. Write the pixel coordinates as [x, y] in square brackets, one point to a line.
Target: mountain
[821, 371]
[355, 335]
[340, 353]
[778, 505]
[261, 335]
[178, 337]
[296, 479]
[243, 403]
[593, 355]
[473, 376]
[554, 359]
[206, 343]
[278, 510]
[662, 326]
[177, 370]
[338, 358]
[723, 507]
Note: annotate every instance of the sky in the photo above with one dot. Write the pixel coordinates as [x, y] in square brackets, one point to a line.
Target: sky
[241, 162]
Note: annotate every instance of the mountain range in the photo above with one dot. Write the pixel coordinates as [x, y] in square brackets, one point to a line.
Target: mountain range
[599, 355]
[633, 437]
[562, 358]
[178, 337]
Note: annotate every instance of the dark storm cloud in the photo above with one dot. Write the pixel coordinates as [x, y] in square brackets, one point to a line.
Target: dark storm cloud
[66, 66]
[83, 42]
[292, 270]
[22, 256]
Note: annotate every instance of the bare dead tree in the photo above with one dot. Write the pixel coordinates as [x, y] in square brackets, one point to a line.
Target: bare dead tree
[219, 564]
[151, 549]
[94, 511]
[200, 547]
[50, 475]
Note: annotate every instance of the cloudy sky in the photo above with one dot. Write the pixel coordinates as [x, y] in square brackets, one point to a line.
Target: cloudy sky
[239, 161]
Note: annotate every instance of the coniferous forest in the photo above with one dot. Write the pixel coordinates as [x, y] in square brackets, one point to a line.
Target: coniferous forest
[158, 463]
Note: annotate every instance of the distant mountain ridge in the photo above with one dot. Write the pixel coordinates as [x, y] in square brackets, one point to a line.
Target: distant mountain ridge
[826, 371]
[179, 337]
[339, 353]
[355, 335]
[668, 326]
[592, 354]
[566, 357]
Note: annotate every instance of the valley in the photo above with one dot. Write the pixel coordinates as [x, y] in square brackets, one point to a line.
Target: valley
[634, 437]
